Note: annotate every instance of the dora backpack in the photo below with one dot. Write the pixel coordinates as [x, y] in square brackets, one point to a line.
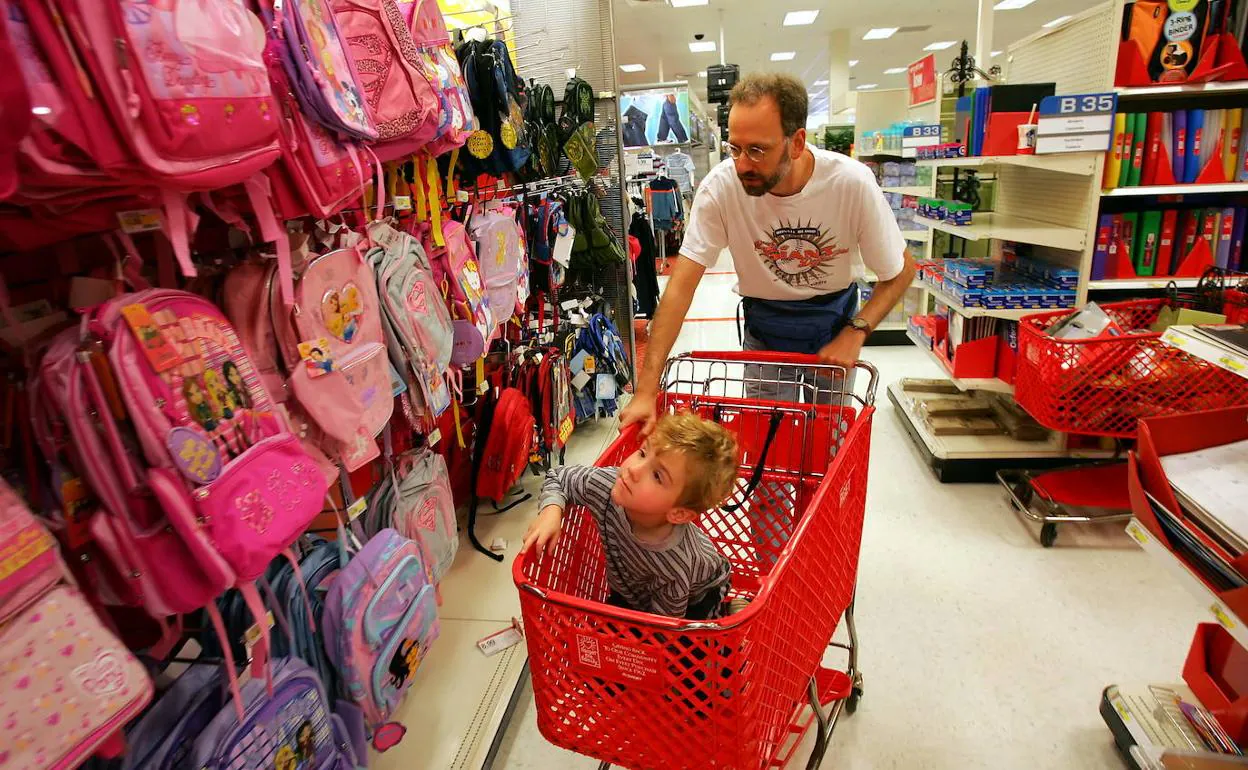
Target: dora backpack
[381, 617]
[59, 655]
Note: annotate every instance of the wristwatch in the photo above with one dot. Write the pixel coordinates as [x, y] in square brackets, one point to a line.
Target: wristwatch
[860, 324]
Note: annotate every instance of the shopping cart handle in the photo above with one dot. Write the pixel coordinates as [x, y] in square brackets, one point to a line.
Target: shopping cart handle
[754, 356]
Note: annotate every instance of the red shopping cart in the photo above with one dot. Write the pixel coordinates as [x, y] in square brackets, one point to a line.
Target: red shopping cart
[1104, 387]
[644, 691]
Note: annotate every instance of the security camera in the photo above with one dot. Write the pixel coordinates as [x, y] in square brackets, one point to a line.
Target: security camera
[698, 36]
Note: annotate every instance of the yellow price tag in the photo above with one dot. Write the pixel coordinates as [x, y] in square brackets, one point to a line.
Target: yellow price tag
[1175, 339]
[1137, 532]
[357, 508]
[1234, 364]
[1221, 616]
[402, 203]
[435, 437]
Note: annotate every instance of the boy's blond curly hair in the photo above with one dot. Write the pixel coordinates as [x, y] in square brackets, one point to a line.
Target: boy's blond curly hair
[711, 457]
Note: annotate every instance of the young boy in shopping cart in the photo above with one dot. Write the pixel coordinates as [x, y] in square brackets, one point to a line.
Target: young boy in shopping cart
[658, 560]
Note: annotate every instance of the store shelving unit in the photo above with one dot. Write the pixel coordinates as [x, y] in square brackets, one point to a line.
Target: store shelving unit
[1140, 284]
[1218, 612]
[920, 190]
[1177, 189]
[978, 458]
[992, 385]
[1182, 90]
[977, 312]
[1012, 227]
[1201, 347]
[1078, 164]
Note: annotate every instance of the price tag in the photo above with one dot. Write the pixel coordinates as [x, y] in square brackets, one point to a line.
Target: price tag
[462, 196]
[1137, 532]
[591, 366]
[1234, 364]
[251, 637]
[402, 203]
[501, 640]
[139, 221]
[570, 304]
[357, 508]
[483, 387]
[435, 436]
[1173, 338]
[1222, 617]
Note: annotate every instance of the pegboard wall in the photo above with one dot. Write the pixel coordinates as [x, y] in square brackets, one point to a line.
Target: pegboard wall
[1078, 56]
[551, 38]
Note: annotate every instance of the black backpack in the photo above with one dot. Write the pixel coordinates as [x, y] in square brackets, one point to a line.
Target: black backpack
[578, 108]
[498, 101]
[543, 132]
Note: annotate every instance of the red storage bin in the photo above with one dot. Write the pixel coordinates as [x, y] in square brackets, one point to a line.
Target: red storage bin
[1217, 672]
[1104, 386]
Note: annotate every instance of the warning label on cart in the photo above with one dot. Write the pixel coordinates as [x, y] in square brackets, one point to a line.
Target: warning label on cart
[619, 662]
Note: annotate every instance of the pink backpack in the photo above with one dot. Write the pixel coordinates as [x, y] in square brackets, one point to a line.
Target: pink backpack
[324, 412]
[336, 299]
[14, 114]
[397, 89]
[457, 272]
[433, 46]
[76, 684]
[184, 82]
[320, 173]
[499, 253]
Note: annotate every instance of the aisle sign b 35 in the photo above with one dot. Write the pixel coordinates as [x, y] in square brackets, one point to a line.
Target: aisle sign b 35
[1076, 123]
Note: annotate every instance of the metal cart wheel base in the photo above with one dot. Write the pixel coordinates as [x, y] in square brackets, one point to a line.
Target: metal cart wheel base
[1039, 507]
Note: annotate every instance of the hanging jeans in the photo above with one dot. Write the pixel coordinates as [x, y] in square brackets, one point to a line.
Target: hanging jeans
[669, 122]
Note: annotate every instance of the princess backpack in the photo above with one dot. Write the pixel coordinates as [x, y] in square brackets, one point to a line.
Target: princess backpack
[67, 684]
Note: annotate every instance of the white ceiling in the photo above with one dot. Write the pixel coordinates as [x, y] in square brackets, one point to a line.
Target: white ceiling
[649, 30]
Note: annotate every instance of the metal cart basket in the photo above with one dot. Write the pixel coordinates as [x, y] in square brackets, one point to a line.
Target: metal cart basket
[644, 691]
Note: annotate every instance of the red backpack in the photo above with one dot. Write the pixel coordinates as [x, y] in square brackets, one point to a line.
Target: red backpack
[507, 445]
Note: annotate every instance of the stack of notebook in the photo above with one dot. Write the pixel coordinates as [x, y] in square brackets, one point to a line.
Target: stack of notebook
[1181, 147]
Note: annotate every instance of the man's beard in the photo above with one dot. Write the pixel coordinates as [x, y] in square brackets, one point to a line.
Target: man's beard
[758, 186]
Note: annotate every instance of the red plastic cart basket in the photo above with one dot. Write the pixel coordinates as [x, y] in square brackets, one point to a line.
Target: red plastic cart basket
[644, 691]
[1104, 387]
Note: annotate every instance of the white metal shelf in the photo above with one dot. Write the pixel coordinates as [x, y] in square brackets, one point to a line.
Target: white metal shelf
[993, 385]
[920, 236]
[1006, 227]
[917, 190]
[1181, 90]
[1140, 284]
[1000, 447]
[977, 312]
[1177, 189]
[1218, 612]
[1077, 163]
[1183, 338]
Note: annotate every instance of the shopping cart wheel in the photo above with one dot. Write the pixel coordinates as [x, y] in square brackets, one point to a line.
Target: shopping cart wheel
[604, 766]
[851, 703]
[1048, 535]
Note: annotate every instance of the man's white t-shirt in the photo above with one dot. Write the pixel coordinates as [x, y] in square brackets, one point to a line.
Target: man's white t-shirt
[799, 246]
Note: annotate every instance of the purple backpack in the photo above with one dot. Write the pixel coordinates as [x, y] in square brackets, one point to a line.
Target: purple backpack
[294, 727]
[380, 618]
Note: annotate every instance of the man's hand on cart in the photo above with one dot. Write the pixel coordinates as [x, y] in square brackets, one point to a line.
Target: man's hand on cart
[544, 531]
[640, 410]
[845, 349]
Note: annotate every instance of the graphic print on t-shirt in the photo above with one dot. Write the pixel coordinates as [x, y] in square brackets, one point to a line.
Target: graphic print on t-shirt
[800, 255]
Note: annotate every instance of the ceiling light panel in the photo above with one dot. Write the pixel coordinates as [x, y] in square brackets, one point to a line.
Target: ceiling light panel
[867, 86]
[800, 18]
[880, 33]
[853, 62]
[1012, 5]
[784, 56]
[942, 45]
[1058, 20]
[820, 83]
[894, 70]
[687, 3]
[632, 68]
[702, 46]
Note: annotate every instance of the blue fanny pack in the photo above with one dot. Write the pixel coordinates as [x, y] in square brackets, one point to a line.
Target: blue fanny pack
[800, 326]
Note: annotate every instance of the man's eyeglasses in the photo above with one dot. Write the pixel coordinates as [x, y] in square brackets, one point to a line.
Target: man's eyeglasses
[755, 153]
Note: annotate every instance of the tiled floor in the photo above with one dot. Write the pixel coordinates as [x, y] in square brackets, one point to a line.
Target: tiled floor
[979, 648]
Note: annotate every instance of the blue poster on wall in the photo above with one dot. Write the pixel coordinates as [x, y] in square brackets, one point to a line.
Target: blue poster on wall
[659, 116]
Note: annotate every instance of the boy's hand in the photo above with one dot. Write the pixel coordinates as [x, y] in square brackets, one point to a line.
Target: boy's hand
[544, 531]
